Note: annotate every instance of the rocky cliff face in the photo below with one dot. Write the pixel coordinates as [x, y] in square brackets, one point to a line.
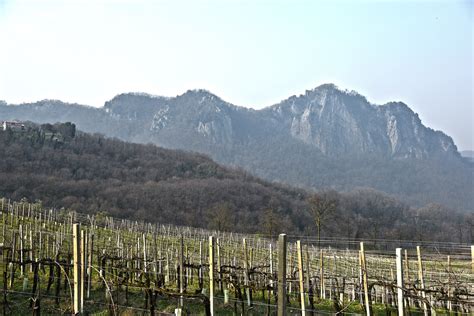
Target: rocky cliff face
[340, 122]
[201, 113]
[324, 137]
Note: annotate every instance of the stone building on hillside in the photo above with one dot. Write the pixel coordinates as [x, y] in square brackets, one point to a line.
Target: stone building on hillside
[13, 125]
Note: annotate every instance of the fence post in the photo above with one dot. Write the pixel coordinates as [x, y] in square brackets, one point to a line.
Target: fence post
[200, 277]
[301, 278]
[407, 278]
[211, 274]
[282, 275]
[246, 274]
[82, 269]
[76, 235]
[145, 268]
[449, 303]
[365, 279]
[322, 286]
[181, 270]
[222, 284]
[30, 235]
[89, 265]
[271, 266]
[22, 269]
[472, 258]
[167, 276]
[422, 281]
[219, 271]
[400, 300]
[308, 276]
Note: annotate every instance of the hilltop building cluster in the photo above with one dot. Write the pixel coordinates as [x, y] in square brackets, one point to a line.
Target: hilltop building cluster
[13, 125]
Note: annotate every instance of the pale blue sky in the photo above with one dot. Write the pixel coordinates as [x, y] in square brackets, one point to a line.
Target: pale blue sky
[251, 53]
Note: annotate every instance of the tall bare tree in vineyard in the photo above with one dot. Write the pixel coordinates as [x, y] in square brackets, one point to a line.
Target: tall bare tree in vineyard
[322, 206]
[271, 222]
[221, 217]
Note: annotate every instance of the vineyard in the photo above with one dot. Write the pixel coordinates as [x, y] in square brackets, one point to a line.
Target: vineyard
[57, 262]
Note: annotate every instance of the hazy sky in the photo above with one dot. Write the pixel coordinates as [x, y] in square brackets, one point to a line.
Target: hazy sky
[251, 53]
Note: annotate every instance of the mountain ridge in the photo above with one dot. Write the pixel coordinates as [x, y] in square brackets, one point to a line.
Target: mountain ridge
[112, 102]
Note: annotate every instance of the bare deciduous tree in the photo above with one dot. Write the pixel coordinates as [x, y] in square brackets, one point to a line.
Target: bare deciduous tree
[322, 206]
[271, 222]
[221, 217]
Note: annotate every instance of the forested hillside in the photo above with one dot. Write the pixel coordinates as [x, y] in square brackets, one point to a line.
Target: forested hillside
[93, 174]
[324, 138]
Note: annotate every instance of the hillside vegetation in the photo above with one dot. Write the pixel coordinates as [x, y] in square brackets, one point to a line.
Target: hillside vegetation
[324, 138]
[93, 174]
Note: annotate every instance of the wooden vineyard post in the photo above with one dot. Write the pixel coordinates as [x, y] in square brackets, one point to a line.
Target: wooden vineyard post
[301, 277]
[308, 275]
[449, 304]
[4, 218]
[322, 287]
[472, 263]
[144, 253]
[22, 268]
[76, 235]
[360, 296]
[282, 275]
[181, 270]
[200, 276]
[83, 269]
[289, 267]
[211, 274]
[365, 279]
[219, 271]
[246, 274]
[472, 259]
[89, 269]
[222, 284]
[400, 300]
[271, 266]
[422, 281]
[30, 235]
[156, 254]
[167, 276]
[187, 275]
[407, 278]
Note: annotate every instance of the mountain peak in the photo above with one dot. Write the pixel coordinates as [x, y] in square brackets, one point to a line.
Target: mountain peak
[137, 95]
[202, 94]
[134, 105]
[327, 86]
[329, 89]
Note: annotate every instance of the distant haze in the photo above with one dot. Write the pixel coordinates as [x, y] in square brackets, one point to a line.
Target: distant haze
[252, 53]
